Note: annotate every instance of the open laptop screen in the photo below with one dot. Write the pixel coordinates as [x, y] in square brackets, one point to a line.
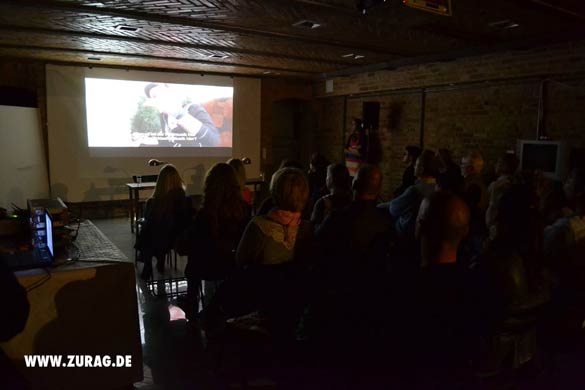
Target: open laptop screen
[49, 233]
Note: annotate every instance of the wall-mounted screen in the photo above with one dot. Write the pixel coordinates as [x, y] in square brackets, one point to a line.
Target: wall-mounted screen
[151, 114]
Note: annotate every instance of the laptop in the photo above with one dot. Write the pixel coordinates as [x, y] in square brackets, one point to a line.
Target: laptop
[42, 255]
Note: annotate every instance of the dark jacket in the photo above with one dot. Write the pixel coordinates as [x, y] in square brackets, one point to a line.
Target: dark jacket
[161, 227]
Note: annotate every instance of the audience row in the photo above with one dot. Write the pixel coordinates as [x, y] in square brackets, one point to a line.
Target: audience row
[450, 270]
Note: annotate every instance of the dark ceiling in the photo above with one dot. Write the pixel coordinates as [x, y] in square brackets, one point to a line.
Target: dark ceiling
[256, 37]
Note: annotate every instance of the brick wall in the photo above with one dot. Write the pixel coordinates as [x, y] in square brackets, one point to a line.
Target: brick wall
[484, 103]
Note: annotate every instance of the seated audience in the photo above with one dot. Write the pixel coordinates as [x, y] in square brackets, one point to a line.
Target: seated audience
[166, 214]
[574, 185]
[505, 169]
[449, 176]
[339, 186]
[347, 235]
[439, 316]
[405, 207]
[270, 257]
[271, 238]
[316, 176]
[564, 231]
[268, 203]
[476, 196]
[214, 234]
[513, 283]
[240, 170]
[411, 154]
[475, 191]
[351, 250]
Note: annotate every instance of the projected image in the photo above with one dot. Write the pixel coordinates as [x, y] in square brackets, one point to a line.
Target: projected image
[123, 113]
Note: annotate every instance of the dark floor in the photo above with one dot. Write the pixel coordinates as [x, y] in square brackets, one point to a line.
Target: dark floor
[175, 357]
[171, 350]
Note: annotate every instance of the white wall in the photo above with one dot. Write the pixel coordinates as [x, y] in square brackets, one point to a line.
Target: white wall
[23, 167]
[78, 175]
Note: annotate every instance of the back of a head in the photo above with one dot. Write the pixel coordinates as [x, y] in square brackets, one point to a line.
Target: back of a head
[472, 163]
[338, 177]
[289, 189]
[426, 164]
[517, 211]
[168, 181]
[445, 156]
[507, 164]
[413, 152]
[368, 182]
[445, 219]
[238, 167]
[221, 191]
[552, 203]
[519, 229]
[290, 164]
[318, 162]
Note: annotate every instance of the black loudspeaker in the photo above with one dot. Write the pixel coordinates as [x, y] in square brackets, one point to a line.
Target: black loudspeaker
[371, 115]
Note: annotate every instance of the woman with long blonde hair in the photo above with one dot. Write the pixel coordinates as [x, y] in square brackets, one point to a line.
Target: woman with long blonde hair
[165, 215]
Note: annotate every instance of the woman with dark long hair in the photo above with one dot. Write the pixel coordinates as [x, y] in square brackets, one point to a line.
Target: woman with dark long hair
[271, 258]
[216, 230]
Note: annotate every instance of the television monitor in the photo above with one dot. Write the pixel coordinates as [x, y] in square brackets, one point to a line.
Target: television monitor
[548, 157]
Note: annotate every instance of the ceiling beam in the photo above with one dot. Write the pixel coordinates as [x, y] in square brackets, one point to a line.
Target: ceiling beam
[17, 29]
[151, 57]
[443, 57]
[196, 23]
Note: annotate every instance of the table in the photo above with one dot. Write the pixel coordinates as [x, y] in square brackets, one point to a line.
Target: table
[87, 307]
[134, 195]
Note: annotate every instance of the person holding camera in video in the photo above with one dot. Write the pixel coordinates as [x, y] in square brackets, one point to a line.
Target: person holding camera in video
[183, 124]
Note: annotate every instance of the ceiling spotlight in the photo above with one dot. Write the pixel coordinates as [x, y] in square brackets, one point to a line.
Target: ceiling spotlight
[307, 24]
[218, 56]
[505, 24]
[127, 28]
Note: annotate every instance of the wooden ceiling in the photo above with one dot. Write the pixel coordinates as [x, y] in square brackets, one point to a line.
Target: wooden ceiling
[257, 37]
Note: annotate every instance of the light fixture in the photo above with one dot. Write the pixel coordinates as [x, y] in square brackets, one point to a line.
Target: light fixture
[125, 28]
[218, 56]
[307, 24]
[505, 24]
[353, 56]
[153, 162]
